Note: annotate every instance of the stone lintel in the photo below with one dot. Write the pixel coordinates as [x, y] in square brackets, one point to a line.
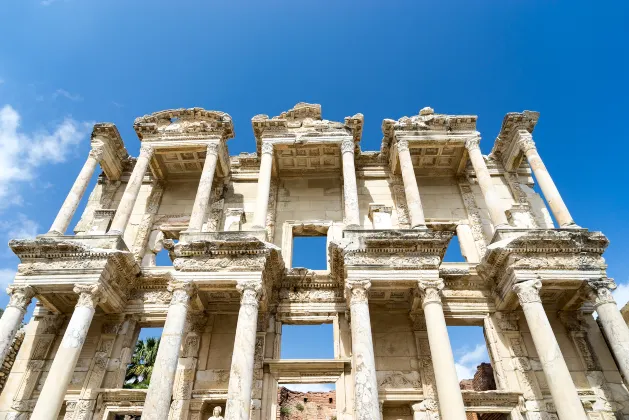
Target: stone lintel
[115, 154]
[505, 147]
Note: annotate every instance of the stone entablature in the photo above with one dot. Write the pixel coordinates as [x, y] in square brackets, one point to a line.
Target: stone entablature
[388, 217]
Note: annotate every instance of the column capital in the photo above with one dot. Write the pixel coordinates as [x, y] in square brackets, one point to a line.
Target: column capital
[600, 291]
[267, 148]
[430, 290]
[212, 149]
[473, 143]
[524, 140]
[181, 291]
[427, 405]
[528, 291]
[358, 291]
[20, 296]
[97, 152]
[90, 295]
[146, 151]
[402, 145]
[348, 146]
[250, 292]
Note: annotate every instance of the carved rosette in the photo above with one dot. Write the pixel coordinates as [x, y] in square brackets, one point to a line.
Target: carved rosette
[525, 141]
[90, 295]
[358, 291]
[600, 291]
[402, 146]
[181, 292]
[347, 146]
[250, 292]
[528, 291]
[472, 143]
[430, 291]
[267, 148]
[97, 153]
[20, 297]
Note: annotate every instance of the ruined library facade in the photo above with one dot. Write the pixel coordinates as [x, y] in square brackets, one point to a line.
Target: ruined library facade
[532, 276]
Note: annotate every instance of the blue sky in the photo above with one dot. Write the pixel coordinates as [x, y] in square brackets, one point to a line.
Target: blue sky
[65, 64]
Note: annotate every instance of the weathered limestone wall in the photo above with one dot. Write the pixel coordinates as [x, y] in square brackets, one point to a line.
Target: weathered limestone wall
[375, 190]
[305, 405]
[242, 194]
[9, 360]
[215, 354]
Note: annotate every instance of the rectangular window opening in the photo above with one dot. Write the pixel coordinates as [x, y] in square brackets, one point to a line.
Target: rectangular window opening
[471, 357]
[310, 252]
[307, 342]
[306, 401]
[486, 416]
[453, 252]
[140, 368]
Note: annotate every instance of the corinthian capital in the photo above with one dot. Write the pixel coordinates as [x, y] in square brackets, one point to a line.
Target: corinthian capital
[90, 295]
[20, 297]
[212, 149]
[402, 145]
[347, 146]
[146, 151]
[528, 291]
[525, 141]
[358, 291]
[181, 291]
[472, 143]
[97, 153]
[267, 148]
[430, 291]
[250, 292]
[600, 291]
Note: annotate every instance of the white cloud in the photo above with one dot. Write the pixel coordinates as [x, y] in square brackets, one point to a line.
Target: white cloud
[309, 387]
[64, 93]
[468, 361]
[21, 227]
[621, 294]
[22, 153]
[7, 276]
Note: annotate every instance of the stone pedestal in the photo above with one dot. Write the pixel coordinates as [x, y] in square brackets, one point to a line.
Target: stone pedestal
[498, 216]
[123, 213]
[264, 186]
[413, 201]
[614, 327]
[157, 403]
[448, 390]
[558, 377]
[366, 403]
[234, 219]
[380, 216]
[241, 372]
[350, 191]
[202, 200]
[551, 193]
[52, 394]
[13, 316]
[69, 206]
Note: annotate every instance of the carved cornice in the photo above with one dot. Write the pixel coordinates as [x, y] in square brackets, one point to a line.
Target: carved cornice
[105, 136]
[505, 147]
[184, 123]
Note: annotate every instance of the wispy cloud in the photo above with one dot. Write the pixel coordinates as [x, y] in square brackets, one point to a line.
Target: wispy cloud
[621, 294]
[6, 277]
[23, 153]
[117, 105]
[65, 94]
[19, 227]
[468, 361]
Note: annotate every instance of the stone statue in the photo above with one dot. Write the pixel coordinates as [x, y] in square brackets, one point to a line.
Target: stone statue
[216, 414]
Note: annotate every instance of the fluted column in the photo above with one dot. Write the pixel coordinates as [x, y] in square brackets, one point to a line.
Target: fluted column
[366, 403]
[157, 403]
[202, 200]
[551, 193]
[413, 201]
[51, 397]
[610, 318]
[558, 377]
[69, 206]
[350, 190]
[241, 372]
[497, 214]
[20, 298]
[264, 186]
[123, 213]
[448, 389]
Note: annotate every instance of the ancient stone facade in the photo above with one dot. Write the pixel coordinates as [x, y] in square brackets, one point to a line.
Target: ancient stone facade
[228, 224]
[293, 405]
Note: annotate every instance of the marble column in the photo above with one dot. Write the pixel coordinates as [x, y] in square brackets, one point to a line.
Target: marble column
[52, 394]
[123, 213]
[614, 327]
[264, 186]
[202, 200]
[448, 389]
[497, 214]
[366, 403]
[551, 193]
[413, 201]
[159, 394]
[69, 206]
[350, 190]
[20, 298]
[241, 372]
[558, 377]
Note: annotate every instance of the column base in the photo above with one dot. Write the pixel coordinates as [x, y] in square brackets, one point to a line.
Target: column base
[53, 233]
[114, 233]
[570, 225]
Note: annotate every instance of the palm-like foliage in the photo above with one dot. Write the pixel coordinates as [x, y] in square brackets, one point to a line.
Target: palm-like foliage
[141, 367]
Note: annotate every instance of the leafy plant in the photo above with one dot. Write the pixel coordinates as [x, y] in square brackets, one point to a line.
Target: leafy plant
[285, 411]
[299, 407]
[141, 367]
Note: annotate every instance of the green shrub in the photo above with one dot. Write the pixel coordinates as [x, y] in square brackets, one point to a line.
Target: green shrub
[299, 407]
[285, 411]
